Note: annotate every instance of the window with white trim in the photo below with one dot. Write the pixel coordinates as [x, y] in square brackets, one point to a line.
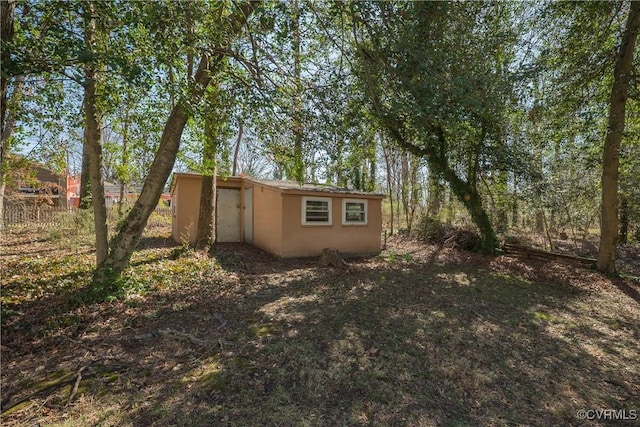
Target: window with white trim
[354, 211]
[316, 211]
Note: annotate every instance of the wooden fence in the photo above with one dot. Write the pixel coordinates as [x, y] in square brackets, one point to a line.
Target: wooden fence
[22, 215]
[531, 253]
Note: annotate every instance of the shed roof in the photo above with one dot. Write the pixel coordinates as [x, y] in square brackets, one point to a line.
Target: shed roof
[290, 186]
[311, 187]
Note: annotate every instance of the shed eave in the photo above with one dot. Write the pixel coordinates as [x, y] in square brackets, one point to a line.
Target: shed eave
[336, 192]
[329, 193]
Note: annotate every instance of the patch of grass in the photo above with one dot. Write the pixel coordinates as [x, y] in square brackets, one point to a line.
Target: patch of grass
[260, 330]
[17, 408]
[542, 317]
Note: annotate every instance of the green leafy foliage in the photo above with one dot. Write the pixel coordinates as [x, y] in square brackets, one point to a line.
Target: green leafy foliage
[435, 94]
[494, 118]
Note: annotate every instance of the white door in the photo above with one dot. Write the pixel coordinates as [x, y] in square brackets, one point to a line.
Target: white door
[228, 215]
[248, 215]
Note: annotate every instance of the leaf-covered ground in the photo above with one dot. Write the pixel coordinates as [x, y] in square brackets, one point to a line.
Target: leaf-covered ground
[416, 336]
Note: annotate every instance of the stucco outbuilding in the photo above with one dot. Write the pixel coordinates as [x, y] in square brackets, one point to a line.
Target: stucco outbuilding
[284, 218]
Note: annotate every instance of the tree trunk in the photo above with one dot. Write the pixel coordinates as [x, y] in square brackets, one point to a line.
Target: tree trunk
[387, 162]
[7, 9]
[123, 175]
[84, 201]
[373, 167]
[436, 157]
[340, 180]
[298, 158]
[5, 137]
[619, 92]
[434, 201]
[125, 241]
[206, 234]
[437, 162]
[409, 187]
[415, 190]
[624, 219]
[404, 186]
[514, 203]
[539, 221]
[93, 137]
[469, 196]
[546, 230]
[236, 150]
[206, 230]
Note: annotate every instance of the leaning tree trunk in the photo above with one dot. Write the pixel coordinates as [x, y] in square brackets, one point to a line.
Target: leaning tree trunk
[123, 244]
[436, 158]
[469, 196]
[93, 138]
[125, 241]
[7, 9]
[619, 93]
[466, 192]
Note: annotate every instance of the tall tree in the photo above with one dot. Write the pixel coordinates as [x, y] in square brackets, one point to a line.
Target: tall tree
[215, 118]
[123, 244]
[586, 65]
[93, 131]
[437, 78]
[300, 78]
[298, 128]
[622, 75]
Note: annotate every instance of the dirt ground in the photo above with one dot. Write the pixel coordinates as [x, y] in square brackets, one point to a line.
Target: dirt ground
[419, 335]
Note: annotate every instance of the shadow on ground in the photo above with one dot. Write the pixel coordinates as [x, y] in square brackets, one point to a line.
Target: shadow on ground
[409, 338]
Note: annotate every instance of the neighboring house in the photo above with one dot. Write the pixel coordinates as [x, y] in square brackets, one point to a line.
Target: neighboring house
[34, 183]
[111, 193]
[284, 218]
[73, 191]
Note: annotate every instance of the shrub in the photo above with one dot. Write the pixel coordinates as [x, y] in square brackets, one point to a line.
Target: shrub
[466, 240]
[433, 231]
[78, 223]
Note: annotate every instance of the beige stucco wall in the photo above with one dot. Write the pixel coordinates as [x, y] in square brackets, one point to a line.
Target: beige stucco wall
[309, 240]
[267, 219]
[185, 201]
[277, 219]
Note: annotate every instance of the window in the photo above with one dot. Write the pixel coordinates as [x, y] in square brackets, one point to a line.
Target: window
[354, 211]
[316, 211]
